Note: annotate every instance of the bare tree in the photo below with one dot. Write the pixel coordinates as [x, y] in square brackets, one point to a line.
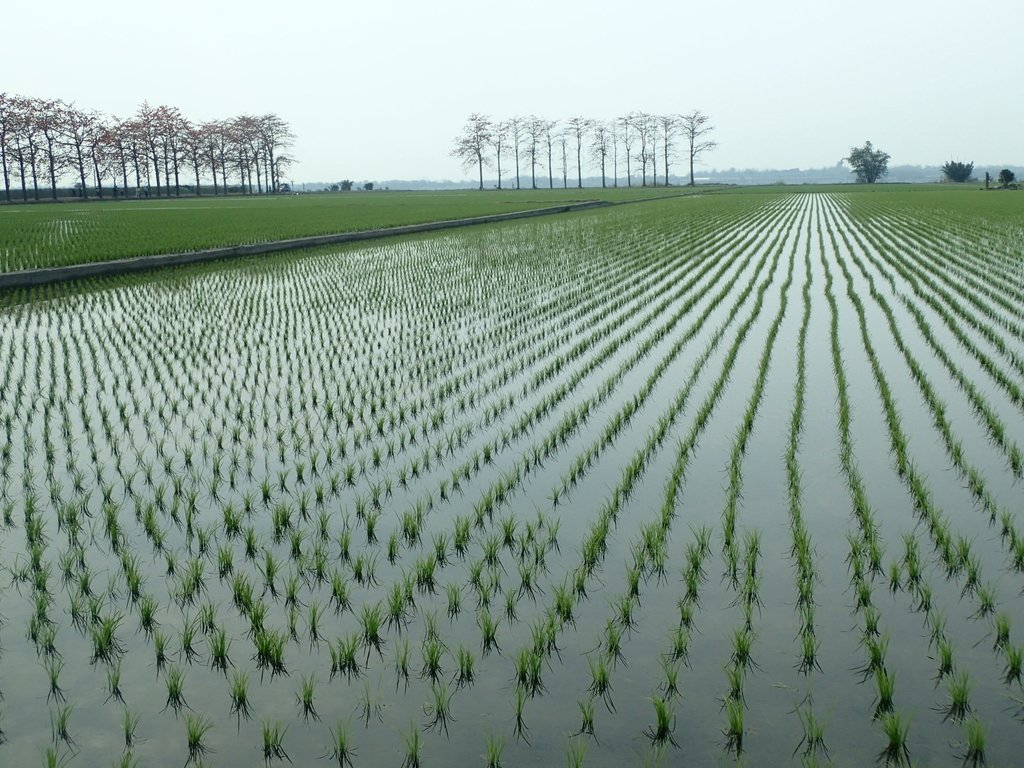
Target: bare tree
[471, 147]
[694, 127]
[669, 125]
[601, 145]
[578, 127]
[549, 140]
[626, 136]
[275, 137]
[535, 127]
[499, 139]
[642, 124]
[516, 132]
[562, 140]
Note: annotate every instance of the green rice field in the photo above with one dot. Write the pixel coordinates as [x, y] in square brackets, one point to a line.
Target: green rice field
[732, 479]
[75, 233]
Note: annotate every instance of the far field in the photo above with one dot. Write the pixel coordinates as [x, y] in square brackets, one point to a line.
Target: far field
[47, 235]
[723, 479]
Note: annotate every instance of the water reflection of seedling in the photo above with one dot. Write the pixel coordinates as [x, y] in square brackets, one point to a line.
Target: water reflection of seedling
[519, 728]
[371, 705]
[114, 682]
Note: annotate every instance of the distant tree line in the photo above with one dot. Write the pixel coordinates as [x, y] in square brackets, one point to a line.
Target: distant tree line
[641, 143]
[156, 151]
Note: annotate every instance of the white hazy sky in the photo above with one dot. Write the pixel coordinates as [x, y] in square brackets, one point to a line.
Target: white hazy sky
[378, 90]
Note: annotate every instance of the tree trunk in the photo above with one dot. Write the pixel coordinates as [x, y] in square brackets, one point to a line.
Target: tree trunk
[7, 174]
[691, 165]
[499, 166]
[579, 164]
[81, 170]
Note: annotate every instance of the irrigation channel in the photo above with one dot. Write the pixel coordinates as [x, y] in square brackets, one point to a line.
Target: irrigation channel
[695, 482]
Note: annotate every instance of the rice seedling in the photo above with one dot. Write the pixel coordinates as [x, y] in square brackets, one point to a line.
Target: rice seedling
[575, 753]
[175, 681]
[54, 759]
[488, 632]
[1014, 655]
[304, 697]
[465, 674]
[341, 749]
[660, 732]
[975, 743]
[187, 639]
[269, 654]
[493, 746]
[1001, 631]
[239, 690]
[371, 619]
[59, 725]
[959, 690]
[896, 751]
[586, 707]
[196, 728]
[53, 668]
[105, 644]
[273, 742]
[600, 680]
[413, 747]
[345, 656]
[433, 652]
[129, 724]
[734, 725]
[885, 683]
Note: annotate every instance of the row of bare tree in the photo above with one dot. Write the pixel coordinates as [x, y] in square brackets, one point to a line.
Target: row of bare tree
[47, 141]
[640, 140]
